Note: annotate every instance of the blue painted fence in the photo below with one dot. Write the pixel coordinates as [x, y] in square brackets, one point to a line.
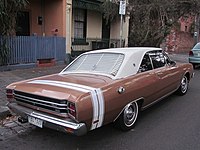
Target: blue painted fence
[28, 49]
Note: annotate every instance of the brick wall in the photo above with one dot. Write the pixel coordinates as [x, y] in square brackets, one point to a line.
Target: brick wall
[180, 40]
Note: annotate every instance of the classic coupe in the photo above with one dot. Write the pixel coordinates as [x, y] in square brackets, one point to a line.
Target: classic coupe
[99, 87]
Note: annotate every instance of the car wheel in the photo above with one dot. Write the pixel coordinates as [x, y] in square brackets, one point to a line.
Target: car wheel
[194, 65]
[183, 86]
[128, 117]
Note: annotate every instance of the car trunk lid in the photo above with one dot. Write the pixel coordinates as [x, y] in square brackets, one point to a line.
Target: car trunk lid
[62, 86]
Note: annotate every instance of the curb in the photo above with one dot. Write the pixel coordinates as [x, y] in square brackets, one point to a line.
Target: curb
[4, 112]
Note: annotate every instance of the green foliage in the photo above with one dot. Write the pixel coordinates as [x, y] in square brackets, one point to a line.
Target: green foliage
[152, 20]
[110, 10]
[4, 51]
[8, 13]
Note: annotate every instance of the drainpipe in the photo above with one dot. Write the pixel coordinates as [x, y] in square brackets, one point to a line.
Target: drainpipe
[68, 30]
[43, 14]
[122, 11]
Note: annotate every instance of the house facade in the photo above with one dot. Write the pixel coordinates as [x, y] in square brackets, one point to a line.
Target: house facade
[81, 22]
[43, 18]
[91, 31]
[40, 35]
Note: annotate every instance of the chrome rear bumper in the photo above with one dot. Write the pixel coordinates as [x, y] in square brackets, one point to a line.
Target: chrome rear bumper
[64, 125]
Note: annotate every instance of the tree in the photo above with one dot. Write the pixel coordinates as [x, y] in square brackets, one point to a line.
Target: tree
[110, 10]
[152, 20]
[8, 14]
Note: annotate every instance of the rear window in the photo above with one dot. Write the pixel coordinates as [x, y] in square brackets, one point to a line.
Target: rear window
[197, 46]
[107, 63]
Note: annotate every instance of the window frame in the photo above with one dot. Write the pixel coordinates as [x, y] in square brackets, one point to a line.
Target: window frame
[113, 72]
[150, 61]
[80, 40]
[156, 54]
[165, 57]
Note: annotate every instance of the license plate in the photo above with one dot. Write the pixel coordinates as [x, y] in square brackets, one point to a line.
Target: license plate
[35, 121]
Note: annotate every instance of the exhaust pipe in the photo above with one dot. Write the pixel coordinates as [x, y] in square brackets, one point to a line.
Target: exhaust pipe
[22, 120]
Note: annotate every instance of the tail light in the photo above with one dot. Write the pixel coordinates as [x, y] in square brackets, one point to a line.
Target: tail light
[191, 53]
[9, 93]
[72, 110]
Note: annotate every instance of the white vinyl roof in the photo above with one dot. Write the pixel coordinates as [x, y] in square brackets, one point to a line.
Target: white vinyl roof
[112, 64]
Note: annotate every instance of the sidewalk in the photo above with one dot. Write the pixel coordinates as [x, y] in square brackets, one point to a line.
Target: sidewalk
[8, 77]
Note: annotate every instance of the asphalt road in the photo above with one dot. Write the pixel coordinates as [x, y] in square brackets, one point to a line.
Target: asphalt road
[172, 124]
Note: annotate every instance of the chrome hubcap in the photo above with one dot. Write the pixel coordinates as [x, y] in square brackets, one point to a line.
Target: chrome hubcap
[130, 114]
[184, 85]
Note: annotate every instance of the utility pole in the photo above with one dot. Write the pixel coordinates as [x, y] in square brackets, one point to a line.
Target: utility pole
[122, 11]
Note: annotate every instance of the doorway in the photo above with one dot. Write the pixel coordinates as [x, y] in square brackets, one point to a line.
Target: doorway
[105, 32]
[23, 24]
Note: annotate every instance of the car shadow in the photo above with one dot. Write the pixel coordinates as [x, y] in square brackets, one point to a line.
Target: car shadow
[197, 67]
[58, 140]
[104, 136]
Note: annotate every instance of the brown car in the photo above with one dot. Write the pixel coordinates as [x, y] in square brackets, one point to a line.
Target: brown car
[99, 87]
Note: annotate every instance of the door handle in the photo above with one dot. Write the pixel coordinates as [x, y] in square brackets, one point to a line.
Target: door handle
[159, 73]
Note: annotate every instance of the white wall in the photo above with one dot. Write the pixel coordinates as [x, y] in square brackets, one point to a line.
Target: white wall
[94, 24]
[115, 29]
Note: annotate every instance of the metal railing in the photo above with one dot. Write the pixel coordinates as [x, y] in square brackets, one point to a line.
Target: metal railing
[28, 49]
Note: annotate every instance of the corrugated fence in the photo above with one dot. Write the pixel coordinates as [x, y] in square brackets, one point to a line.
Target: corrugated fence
[28, 49]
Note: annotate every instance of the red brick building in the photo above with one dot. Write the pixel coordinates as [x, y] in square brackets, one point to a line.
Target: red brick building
[180, 39]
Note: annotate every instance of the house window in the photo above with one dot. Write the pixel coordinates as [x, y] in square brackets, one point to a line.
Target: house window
[186, 28]
[23, 23]
[79, 25]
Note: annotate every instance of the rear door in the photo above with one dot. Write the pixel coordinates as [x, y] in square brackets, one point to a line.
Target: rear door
[168, 75]
[150, 86]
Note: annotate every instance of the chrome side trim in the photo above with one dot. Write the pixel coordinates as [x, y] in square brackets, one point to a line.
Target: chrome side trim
[145, 107]
[156, 101]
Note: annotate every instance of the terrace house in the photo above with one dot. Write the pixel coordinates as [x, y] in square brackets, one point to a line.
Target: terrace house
[56, 29]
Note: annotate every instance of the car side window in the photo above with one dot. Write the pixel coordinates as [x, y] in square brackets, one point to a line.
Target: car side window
[158, 59]
[146, 64]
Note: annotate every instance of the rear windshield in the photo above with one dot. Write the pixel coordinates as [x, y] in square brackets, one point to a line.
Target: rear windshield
[197, 46]
[106, 63]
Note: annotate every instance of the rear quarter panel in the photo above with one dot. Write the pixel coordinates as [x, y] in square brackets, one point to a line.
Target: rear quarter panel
[136, 87]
